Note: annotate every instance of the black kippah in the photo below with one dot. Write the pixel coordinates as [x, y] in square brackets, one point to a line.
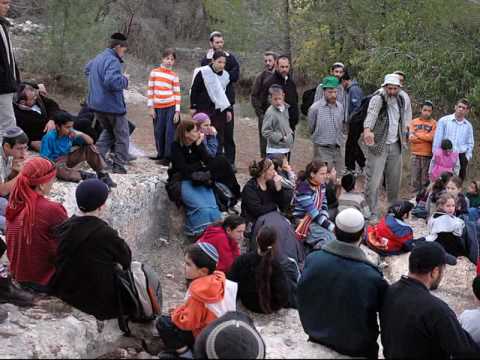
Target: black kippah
[118, 36]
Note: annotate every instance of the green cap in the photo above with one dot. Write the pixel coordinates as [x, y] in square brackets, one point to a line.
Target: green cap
[330, 82]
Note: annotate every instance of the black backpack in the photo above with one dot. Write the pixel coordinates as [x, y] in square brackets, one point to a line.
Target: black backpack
[358, 116]
[308, 99]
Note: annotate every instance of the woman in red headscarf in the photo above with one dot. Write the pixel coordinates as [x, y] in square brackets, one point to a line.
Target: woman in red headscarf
[31, 220]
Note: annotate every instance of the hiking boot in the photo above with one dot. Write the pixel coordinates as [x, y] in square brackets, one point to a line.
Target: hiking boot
[87, 175]
[11, 294]
[3, 316]
[107, 180]
[119, 169]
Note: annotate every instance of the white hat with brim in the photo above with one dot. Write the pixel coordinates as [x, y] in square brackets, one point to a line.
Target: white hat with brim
[391, 79]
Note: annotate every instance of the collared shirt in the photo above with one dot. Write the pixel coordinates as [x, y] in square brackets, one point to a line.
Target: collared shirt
[5, 166]
[326, 122]
[460, 133]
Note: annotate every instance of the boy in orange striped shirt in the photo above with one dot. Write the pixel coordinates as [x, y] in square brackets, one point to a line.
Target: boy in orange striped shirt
[164, 104]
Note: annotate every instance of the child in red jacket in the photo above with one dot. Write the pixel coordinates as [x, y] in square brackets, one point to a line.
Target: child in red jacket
[209, 296]
[225, 238]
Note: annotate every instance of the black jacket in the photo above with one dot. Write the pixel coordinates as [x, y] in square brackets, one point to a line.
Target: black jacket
[188, 159]
[9, 74]
[417, 324]
[32, 122]
[85, 266]
[291, 96]
[200, 100]
[256, 202]
[339, 295]
[233, 68]
[244, 272]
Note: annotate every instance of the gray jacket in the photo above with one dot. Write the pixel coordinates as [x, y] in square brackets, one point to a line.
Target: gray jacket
[276, 128]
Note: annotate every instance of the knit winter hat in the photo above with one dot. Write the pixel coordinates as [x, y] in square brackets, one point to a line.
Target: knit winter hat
[210, 250]
[200, 117]
[232, 336]
[330, 82]
[91, 194]
[118, 36]
[350, 221]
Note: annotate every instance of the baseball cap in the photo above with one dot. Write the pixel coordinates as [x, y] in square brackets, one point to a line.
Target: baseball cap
[330, 82]
[429, 255]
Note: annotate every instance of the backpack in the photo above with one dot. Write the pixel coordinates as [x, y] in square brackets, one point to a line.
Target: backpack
[308, 98]
[358, 116]
[139, 294]
[224, 196]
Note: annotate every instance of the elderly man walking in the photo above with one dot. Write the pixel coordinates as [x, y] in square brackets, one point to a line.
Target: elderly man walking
[456, 128]
[326, 121]
[9, 74]
[384, 128]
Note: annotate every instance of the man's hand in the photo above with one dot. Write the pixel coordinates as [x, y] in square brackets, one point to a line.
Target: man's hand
[151, 112]
[73, 134]
[42, 90]
[193, 111]
[17, 165]
[368, 137]
[50, 126]
[229, 116]
[176, 117]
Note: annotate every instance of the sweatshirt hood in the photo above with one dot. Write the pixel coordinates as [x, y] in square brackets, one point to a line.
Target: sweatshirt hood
[213, 232]
[209, 289]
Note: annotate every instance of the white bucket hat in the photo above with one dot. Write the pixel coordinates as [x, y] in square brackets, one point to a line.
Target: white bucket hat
[391, 79]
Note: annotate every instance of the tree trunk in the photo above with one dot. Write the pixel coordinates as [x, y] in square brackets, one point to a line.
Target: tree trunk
[287, 37]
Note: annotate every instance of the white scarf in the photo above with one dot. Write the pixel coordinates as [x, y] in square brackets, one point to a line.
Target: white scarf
[216, 86]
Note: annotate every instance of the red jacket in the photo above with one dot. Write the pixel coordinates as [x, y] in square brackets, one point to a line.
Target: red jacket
[228, 249]
[35, 263]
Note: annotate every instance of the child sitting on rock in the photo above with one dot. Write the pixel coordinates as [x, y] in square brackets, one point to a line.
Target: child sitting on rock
[263, 286]
[470, 319]
[283, 168]
[209, 296]
[57, 147]
[437, 189]
[392, 236]
[351, 198]
[445, 228]
[204, 126]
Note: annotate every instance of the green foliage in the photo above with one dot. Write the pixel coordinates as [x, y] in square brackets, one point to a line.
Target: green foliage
[77, 30]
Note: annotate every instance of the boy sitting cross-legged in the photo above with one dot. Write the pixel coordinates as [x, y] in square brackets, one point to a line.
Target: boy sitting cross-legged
[58, 146]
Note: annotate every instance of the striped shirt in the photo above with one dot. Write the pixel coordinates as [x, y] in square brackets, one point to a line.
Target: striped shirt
[163, 89]
[326, 122]
[304, 204]
[460, 133]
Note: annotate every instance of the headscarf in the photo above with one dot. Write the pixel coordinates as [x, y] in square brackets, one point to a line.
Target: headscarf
[23, 198]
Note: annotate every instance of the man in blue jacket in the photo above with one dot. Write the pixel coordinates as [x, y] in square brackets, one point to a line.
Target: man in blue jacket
[341, 292]
[106, 82]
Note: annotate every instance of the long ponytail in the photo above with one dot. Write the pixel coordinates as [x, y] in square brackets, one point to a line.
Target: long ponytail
[266, 240]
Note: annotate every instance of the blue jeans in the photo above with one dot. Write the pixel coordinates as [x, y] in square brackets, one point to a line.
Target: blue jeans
[164, 131]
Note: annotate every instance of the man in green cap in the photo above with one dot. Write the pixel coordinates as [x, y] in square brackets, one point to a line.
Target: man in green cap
[326, 119]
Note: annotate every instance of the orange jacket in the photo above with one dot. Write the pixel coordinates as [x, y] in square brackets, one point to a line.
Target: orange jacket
[421, 136]
[208, 298]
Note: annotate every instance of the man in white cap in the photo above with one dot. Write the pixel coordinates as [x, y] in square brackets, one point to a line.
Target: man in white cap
[341, 292]
[384, 129]
[233, 68]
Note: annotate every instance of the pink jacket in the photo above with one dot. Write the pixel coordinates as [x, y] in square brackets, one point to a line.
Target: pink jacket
[443, 161]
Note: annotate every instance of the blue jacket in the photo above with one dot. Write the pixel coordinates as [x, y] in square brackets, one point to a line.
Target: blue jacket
[354, 97]
[339, 295]
[106, 83]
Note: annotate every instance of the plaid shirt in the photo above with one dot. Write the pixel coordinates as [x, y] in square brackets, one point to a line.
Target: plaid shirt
[325, 122]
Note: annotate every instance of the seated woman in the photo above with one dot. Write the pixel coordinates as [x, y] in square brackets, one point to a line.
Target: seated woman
[447, 229]
[392, 236]
[190, 160]
[34, 113]
[263, 286]
[314, 227]
[263, 193]
[88, 252]
[226, 238]
[31, 220]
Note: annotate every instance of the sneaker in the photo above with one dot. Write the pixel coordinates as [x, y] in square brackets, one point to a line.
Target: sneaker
[3, 316]
[11, 294]
[87, 175]
[105, 177]
[119, 169]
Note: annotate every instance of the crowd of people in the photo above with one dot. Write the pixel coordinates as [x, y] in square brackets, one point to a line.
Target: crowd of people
[301, 231]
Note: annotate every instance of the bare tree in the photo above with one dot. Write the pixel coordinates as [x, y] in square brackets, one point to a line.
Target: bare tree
[131, 9]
